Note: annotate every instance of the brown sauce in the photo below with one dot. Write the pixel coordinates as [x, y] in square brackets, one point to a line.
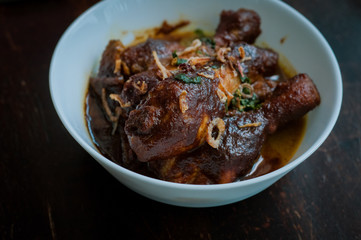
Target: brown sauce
[276, 152]
[279, 148]
[108, 144]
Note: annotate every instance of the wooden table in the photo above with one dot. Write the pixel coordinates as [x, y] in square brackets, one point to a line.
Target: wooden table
[51, 188]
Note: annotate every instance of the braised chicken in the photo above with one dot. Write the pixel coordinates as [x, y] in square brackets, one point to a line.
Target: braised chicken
[197, 113]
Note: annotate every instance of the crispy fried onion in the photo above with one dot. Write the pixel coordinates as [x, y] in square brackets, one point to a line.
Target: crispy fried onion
[219, 123]
[120, 47]
[249, 88]
[231, 63]
[174, 61]
[240, 69]
[242, 54]
[112, 117]
[192, 48]
[125, 68]
[208, 74]
[167, 28]
[226, 92]
[222, 72]
[116, 97]
[183, 105]
[256, 124]
[241, 51]
[117, 66]
[163, 70]
[141, 86]
[221, 54]
[198, 60]
[222, 96]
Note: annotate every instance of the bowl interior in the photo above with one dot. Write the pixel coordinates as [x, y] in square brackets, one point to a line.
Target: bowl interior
[78, 53]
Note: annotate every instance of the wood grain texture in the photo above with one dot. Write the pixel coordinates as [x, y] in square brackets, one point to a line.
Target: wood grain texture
[51, 188]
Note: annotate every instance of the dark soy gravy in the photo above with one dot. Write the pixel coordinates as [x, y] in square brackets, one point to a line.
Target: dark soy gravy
[277, 151]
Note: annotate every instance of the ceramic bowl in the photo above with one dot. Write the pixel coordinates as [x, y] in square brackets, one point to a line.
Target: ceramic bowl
[80, 48]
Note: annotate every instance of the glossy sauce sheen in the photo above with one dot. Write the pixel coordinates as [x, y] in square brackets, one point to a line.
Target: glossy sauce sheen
[276, 152]
[174, 155]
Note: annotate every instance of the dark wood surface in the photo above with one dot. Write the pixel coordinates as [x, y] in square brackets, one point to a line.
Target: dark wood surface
[50, 188]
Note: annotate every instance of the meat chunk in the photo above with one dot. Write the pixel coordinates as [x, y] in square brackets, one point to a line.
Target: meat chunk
[161, 106]
[161, 127]
[236, 26]
[253, 63]
[139, 58]
[137, 87]
[254, 60]
[234, 157]
[112, 84]
[263, 87]
[257, 64]
[108, 76]
[174, 118]
[290, 101]
[110, 55]
[243, 138]
[248, 63]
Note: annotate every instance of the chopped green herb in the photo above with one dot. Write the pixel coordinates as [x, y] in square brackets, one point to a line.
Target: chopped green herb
[183, 77]
[180, 61]
[244, 104]
[234, 101]
[237, 93]
[245, 79]
[246, 90]
[214, 66]
[199, 32]
[200, 52]
[209, 41]
[203, 37]
[251, 103]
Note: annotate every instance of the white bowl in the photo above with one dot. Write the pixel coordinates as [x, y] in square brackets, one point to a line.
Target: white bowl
[80, 48]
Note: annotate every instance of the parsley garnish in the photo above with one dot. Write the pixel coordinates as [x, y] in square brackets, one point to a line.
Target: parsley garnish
[251, 103]
[244, 104]
[209, 41]
[199, 32]
[200, 52]
[184, 78]
[204, 38]
[180, 61]
[246, 91]
[245, 79]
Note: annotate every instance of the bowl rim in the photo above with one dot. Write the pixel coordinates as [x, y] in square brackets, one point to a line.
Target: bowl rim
[274, 174]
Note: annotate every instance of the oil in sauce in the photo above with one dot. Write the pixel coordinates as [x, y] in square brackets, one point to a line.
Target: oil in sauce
[276, 152]
[279, 148]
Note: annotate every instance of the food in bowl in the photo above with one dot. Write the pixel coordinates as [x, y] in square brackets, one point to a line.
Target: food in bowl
[190, 108]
